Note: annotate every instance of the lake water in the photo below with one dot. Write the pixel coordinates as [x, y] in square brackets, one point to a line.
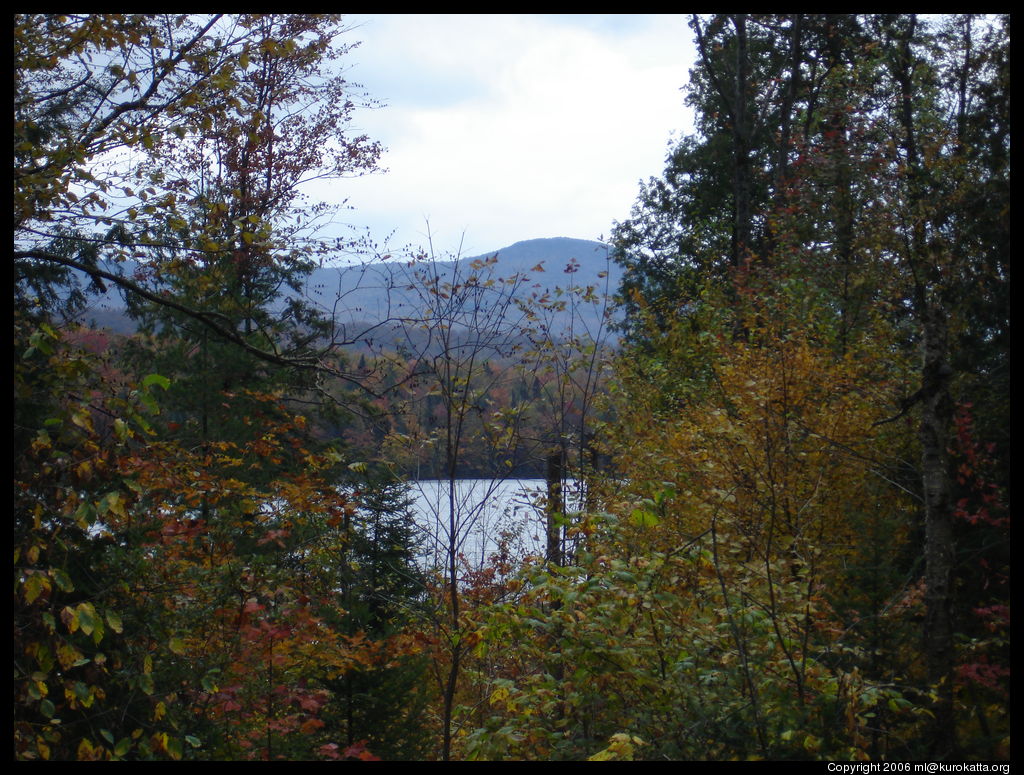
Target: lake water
[488, 512]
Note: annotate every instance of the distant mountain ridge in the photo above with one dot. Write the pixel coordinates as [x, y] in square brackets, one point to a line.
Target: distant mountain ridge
[526, 254]
[371, 292]
[377, 291]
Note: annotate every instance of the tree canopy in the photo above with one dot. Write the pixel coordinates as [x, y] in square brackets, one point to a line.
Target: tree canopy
[790, 538]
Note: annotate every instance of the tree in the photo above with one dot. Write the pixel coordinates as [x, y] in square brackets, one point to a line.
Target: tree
[855, 212]
[144, 629]
[567, 363]
[156, 136]
[383, 595]
[937, 249]
[78, 675]
[764, 85]
[164, 585]
[242, 240]
[705, 217]
[469, 316]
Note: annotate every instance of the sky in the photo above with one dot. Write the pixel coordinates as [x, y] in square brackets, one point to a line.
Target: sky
[501, 128]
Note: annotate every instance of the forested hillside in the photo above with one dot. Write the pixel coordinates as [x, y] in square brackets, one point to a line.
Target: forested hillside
[784, 410]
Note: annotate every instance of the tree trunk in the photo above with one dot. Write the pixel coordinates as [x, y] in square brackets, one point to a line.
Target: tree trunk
[741, 136]
[936, 414]
[555, 507]
[933, 432]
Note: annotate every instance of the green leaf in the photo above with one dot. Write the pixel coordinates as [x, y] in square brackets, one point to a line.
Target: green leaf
[644, 518]
[85, 515]
[112, 502]
[156, 379]
[177, 645]
[174, 748]
[86, 617]
[62, 579]
[47, 709]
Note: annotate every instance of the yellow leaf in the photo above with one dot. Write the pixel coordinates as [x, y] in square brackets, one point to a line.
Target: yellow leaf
[82, 419]
[114, 620]
[35, 585]
[86, 750]
[70, 618]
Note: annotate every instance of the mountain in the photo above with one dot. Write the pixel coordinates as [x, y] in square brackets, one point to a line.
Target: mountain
[555, 253]
[363, 295]
[372, 291]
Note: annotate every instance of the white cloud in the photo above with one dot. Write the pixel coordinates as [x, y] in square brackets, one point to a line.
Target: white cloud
[512, 127]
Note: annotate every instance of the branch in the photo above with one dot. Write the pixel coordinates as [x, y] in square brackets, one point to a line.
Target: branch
[702, 49]
[313, 361]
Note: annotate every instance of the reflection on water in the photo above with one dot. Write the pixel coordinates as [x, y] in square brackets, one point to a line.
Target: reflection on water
[486, 517]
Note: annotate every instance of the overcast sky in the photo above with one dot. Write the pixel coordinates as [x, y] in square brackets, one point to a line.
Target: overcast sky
[501, 128]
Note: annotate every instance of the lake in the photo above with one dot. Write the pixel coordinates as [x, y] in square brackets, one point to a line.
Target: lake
[487, 512]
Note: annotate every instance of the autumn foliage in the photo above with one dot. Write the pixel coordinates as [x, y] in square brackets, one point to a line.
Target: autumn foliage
[778, 519]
